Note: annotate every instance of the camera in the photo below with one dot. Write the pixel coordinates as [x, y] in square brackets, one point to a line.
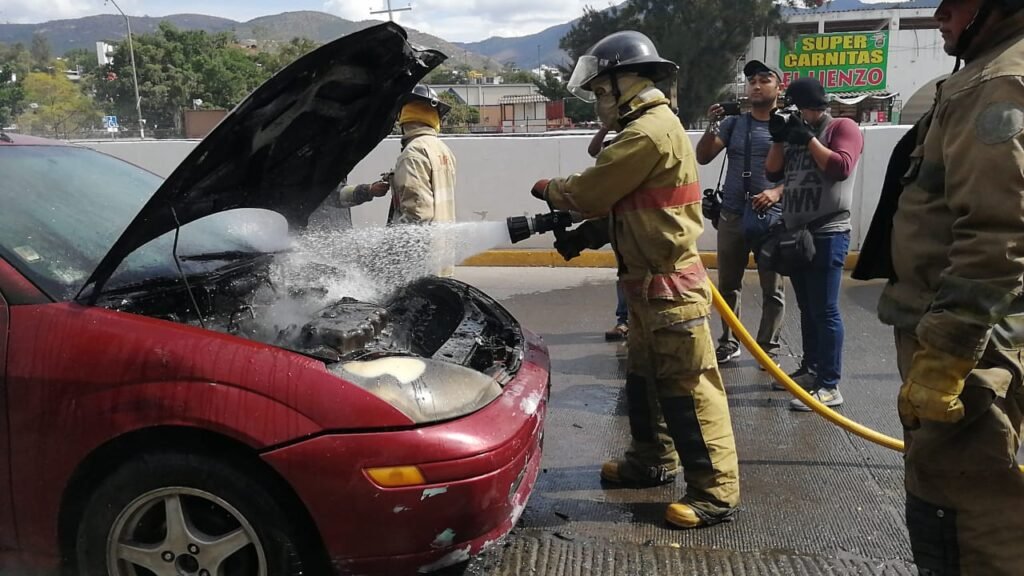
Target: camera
[730, 108]
[711, 206]
[786, 113]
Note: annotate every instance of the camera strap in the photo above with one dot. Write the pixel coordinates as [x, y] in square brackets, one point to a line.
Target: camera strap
[746, 157]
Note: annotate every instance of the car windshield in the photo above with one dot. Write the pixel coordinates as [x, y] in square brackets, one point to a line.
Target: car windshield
[63, 208]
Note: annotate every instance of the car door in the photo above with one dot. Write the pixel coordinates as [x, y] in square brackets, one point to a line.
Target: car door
[8, 538]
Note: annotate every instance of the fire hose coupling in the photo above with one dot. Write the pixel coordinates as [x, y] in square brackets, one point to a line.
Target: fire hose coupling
[522, 227]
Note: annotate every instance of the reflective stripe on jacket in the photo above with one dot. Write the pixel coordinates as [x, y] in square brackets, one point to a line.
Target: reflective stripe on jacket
[646, 183]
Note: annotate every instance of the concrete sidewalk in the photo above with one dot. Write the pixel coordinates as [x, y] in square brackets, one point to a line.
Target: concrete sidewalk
[816, 500]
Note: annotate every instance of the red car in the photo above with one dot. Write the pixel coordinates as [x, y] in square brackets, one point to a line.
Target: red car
[171, 406]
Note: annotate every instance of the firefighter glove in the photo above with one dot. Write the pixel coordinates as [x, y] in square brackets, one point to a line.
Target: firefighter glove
[931, 390]
[798, 133]
[540, 190]
[592, 234]
[380, 188]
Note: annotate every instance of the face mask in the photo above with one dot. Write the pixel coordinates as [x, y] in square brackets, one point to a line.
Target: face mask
[607, 111]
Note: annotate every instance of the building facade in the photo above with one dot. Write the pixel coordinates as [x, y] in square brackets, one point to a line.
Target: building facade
[878, 65]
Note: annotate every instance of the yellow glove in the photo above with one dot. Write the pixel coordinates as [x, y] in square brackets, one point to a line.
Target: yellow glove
[932, 388]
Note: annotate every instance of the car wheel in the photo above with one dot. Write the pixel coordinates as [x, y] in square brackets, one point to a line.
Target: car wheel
[177, 514]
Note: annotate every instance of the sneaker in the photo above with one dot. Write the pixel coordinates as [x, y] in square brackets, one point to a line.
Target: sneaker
[620, 332]
[727, 352]
[804, 378]
[830, 397]
[632, 476]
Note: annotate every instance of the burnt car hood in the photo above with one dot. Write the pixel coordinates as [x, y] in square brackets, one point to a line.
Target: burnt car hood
[289, 143]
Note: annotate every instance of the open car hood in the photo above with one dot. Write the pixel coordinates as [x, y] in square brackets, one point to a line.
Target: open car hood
[289, 143]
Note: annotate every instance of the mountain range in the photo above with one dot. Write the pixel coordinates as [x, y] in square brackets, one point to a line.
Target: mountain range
[64, 35]
[493, 53]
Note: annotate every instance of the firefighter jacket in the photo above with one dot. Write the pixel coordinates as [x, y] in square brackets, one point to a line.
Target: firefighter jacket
[958, 231]
[423, 185]
[645, 182]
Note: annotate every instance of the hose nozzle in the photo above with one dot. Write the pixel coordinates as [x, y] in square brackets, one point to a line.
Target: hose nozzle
[522, 227]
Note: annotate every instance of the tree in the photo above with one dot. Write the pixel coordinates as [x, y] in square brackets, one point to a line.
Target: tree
[15, 63]
[176, 67]
[41, 53]
[457, 121]
[704, 38]
[273, 61]
[57, 106]
[521, 77]
[81, 59]
[444, 75]
[16, 59]
[12, 97]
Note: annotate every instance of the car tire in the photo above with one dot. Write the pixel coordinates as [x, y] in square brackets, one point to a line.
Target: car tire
[225, 521]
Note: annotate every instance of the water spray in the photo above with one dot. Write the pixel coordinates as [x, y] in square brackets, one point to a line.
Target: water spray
[522, 227]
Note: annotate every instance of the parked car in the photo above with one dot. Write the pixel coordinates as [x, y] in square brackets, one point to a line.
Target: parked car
[170, 407]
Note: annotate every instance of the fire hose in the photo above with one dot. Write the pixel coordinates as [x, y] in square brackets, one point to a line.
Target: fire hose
[522, 227]
[792, 387]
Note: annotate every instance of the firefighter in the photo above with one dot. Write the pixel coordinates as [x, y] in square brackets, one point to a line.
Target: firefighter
[422, 184]
[423, 181]
[645, 191]
[947, 234]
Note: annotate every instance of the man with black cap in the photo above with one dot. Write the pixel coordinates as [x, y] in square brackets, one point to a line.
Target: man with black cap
[814, 155]
[948, 236]
[746, 140]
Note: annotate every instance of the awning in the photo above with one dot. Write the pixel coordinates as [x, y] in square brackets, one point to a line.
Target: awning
[523, 99]
[858, 97]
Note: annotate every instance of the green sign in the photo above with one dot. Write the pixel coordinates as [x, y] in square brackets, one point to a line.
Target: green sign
[844, 62]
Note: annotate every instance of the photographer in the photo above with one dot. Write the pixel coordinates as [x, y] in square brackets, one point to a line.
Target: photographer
[746, 140]
[814, 153]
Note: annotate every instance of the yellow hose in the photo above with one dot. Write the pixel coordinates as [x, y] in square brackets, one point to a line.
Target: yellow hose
[766, 362]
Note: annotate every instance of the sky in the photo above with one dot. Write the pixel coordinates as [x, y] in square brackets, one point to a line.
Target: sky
[453, 20]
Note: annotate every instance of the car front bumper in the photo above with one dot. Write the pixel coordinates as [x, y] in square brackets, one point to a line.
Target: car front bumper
[480, 471]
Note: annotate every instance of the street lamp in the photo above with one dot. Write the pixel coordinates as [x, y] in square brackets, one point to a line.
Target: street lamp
[135, 76]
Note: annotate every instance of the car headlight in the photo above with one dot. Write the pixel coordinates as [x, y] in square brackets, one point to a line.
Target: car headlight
[422, 389]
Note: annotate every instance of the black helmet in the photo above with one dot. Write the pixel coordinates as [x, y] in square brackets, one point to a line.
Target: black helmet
[626, 51]
[425, 93]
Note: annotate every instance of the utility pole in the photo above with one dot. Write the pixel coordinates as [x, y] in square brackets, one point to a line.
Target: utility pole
[538, 56]
[389, 10]
[135, 75]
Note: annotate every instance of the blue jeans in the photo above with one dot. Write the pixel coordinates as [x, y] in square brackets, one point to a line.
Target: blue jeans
[621, 310]
[817, 294]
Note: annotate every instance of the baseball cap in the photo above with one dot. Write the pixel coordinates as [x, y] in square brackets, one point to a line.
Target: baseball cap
[755, 67]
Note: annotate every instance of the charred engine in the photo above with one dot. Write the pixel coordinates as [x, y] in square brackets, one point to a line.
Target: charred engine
[432, 317]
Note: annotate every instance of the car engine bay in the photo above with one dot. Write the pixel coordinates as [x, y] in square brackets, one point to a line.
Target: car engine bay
[431, 317]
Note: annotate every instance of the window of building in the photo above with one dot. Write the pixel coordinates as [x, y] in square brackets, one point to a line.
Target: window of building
[919, 24]
[856, 26]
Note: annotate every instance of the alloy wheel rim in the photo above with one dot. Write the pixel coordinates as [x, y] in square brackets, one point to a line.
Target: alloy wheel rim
[179, 531]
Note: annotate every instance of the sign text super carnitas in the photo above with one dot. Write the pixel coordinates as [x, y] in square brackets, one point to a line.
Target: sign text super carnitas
[841, 62]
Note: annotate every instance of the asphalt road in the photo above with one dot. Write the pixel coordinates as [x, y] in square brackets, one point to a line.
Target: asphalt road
[816, 500]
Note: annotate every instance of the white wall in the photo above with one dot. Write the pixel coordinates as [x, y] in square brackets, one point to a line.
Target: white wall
[495, 173]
